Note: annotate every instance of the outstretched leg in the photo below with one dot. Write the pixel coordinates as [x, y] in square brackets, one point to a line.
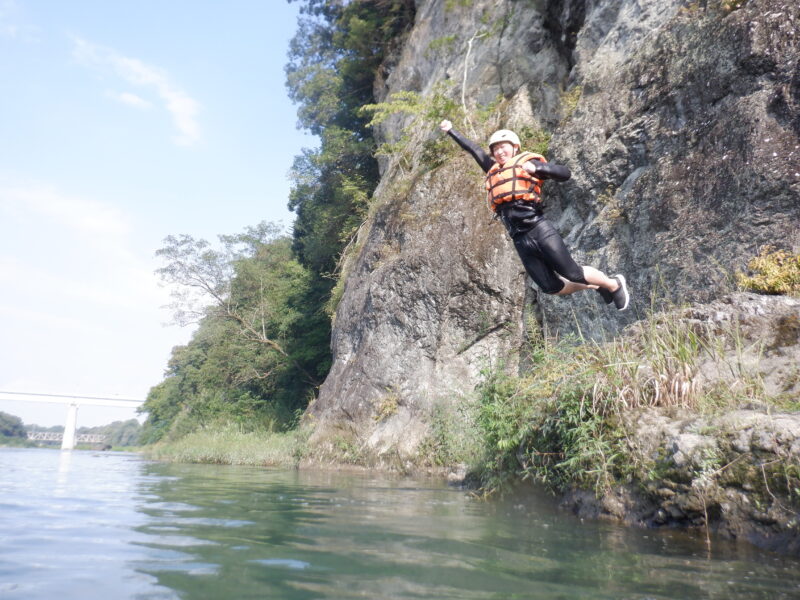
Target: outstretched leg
[570, 287]
[550, 265]
[612, 289]
[599, 279]
[577, 278]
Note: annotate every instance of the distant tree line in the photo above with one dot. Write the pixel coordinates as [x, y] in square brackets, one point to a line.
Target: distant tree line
[262, 344]
[118, 433]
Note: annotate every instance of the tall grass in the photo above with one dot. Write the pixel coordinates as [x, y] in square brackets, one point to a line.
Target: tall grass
[566, 421]
[232, 446]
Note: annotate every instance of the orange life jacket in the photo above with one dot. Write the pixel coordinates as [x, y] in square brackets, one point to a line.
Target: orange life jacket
[512, 182]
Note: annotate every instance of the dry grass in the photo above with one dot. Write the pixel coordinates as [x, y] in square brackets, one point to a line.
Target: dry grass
[773, 272]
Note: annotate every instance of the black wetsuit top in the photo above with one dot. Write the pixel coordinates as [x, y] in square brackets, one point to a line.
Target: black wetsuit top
[538, 244]
[544, 170]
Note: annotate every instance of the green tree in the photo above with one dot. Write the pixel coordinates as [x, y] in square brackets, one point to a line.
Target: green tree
[263, 338]
[335, 57]
[11, 426]
[338, 51]
[124, 433]
[118, 433]
[247, 361]
[250, 282]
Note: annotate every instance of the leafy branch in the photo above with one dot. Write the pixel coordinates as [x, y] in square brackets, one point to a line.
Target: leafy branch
[210, 282]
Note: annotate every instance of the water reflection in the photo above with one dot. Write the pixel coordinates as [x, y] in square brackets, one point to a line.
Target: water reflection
[66, 522]
[238, 532]
[79, 524]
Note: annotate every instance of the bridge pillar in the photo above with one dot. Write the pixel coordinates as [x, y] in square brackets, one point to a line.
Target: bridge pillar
[68, 441]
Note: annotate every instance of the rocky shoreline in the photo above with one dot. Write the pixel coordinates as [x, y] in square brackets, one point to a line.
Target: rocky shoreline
[734, 475]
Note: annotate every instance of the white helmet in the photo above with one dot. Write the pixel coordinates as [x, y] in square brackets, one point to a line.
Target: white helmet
[503, 135]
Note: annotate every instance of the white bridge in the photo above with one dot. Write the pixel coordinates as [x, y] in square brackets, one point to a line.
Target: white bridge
[69, 437]
[55, 436]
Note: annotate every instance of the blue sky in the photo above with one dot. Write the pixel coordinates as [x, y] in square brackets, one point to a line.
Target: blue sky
[122, 122]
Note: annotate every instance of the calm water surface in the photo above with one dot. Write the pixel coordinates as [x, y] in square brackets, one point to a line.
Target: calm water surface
[83, 525]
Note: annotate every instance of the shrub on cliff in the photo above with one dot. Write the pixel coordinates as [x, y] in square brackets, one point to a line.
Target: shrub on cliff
[774, 272]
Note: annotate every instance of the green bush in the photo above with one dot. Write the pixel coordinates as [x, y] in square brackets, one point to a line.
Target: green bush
[12, 426]
[555, 426]
[453, 435]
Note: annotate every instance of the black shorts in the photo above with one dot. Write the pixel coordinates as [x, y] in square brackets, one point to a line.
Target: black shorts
[541, 248]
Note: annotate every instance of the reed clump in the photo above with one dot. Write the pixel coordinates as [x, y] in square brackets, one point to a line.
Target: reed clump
[230, 445]
[567, 421]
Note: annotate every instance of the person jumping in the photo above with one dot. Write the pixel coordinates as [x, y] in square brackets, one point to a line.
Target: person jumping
[513, 183]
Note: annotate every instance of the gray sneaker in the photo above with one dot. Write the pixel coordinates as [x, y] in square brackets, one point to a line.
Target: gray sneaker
[620, 296]
[607, 296]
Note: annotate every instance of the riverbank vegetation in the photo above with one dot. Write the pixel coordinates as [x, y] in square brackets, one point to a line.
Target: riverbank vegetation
[231, 445]
[12, 427]
[572, 421]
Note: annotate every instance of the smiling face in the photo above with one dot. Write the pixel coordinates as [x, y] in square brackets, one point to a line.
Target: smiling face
[502, 151]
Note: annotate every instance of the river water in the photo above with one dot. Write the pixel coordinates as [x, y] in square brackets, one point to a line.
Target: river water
[82, 525]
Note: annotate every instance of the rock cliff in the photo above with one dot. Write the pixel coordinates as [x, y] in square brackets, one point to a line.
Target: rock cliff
[680, 122]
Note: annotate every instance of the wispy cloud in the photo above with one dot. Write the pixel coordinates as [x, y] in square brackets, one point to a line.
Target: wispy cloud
[8, 28]
[11, 25]
[52, 321]
[125, 285]
[103, 268]
[130, 100]
[182, 107]
[79, 214]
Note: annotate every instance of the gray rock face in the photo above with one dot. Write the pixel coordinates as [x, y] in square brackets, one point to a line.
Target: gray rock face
[685, 151]
[769, 339]
[424, 309]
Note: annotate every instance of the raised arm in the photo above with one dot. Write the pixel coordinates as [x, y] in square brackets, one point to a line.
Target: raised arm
[484, 160]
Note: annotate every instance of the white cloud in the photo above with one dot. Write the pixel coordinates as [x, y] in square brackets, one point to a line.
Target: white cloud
[131, 100]
[183, 108]
[53, 322]
[126, 284]
[83, 216]
[108, 272]
[7, 27]
[10, 25]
